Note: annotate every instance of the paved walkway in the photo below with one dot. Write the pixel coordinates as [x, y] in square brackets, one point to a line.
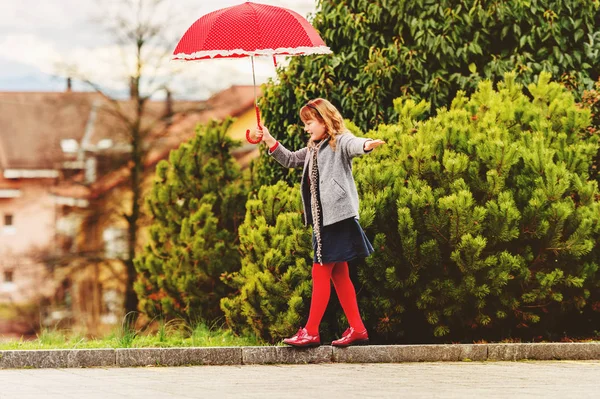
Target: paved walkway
[527, 379]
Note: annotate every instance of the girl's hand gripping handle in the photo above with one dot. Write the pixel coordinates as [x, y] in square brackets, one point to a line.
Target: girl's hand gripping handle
[258, 139]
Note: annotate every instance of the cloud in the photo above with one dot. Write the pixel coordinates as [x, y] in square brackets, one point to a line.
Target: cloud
[25, 15]
[30, 50]
[42, 36]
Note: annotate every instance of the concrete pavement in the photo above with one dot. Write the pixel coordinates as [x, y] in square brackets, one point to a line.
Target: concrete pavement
[525, 379]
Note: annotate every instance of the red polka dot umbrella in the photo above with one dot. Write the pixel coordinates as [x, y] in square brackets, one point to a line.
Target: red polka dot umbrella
[248, 30]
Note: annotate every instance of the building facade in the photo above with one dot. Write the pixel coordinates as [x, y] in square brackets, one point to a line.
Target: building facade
[64, 171]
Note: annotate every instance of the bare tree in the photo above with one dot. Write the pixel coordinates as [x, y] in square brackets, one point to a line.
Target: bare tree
[141, 30]
[139, 27]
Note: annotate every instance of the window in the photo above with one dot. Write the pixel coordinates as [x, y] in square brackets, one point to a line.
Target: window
[69, 145]
[115, 243]
[7, 282]
[8, 226]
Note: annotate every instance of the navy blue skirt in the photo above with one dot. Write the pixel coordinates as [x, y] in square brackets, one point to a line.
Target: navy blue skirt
[342, 241]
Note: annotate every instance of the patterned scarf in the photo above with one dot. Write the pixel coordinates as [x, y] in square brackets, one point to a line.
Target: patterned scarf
[314, 201]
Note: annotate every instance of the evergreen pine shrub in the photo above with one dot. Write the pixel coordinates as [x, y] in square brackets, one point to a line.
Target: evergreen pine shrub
[197, 203]
[485, 220]
[273, 285]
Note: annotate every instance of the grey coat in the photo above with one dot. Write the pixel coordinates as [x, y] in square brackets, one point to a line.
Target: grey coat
[337, 189]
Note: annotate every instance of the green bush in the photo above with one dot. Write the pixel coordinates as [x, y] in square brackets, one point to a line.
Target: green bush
[430, 50]
[591, 100]
[274, 283]
[197, 203]
[485, 221]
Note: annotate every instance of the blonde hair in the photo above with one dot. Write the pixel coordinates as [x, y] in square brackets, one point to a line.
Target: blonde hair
[325, 112]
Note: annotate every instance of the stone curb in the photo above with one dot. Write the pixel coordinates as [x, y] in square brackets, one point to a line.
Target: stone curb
[178, 356]
[286, 355]
[410, 353]
[63, 358]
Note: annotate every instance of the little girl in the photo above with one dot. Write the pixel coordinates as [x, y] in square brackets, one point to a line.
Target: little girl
[330, 203]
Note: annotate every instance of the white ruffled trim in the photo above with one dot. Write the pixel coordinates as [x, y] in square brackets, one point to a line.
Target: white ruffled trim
[240, 52]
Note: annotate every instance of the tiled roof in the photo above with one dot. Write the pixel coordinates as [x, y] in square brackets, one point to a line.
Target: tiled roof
[230, 102]
[32, 126]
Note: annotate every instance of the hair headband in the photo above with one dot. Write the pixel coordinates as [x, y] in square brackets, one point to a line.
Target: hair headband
[309, 105]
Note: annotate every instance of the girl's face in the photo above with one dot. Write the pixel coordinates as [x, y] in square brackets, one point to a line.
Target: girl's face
[316, 129]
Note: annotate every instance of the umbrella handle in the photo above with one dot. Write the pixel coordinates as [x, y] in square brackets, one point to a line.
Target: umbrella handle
[258, 117]
[248, 138]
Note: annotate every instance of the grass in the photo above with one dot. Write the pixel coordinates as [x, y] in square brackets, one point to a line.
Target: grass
[164, 335]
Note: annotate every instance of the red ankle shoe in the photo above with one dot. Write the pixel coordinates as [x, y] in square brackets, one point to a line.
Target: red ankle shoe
[352, 337]
[303, 340]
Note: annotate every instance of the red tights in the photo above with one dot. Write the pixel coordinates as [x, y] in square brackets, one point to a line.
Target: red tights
[339, 274]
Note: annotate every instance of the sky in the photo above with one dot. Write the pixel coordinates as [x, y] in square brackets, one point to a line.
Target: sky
[43, 42]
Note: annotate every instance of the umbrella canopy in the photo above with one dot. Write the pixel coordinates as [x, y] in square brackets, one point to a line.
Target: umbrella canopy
[248, 30]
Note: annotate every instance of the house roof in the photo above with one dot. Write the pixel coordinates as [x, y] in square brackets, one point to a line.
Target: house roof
[167, 136]
[32, 126]
[233, 102]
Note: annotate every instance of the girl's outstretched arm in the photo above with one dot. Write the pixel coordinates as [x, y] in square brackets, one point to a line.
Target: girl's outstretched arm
[281, 154]
[264, 136]
[356, 146]
[372, 144]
